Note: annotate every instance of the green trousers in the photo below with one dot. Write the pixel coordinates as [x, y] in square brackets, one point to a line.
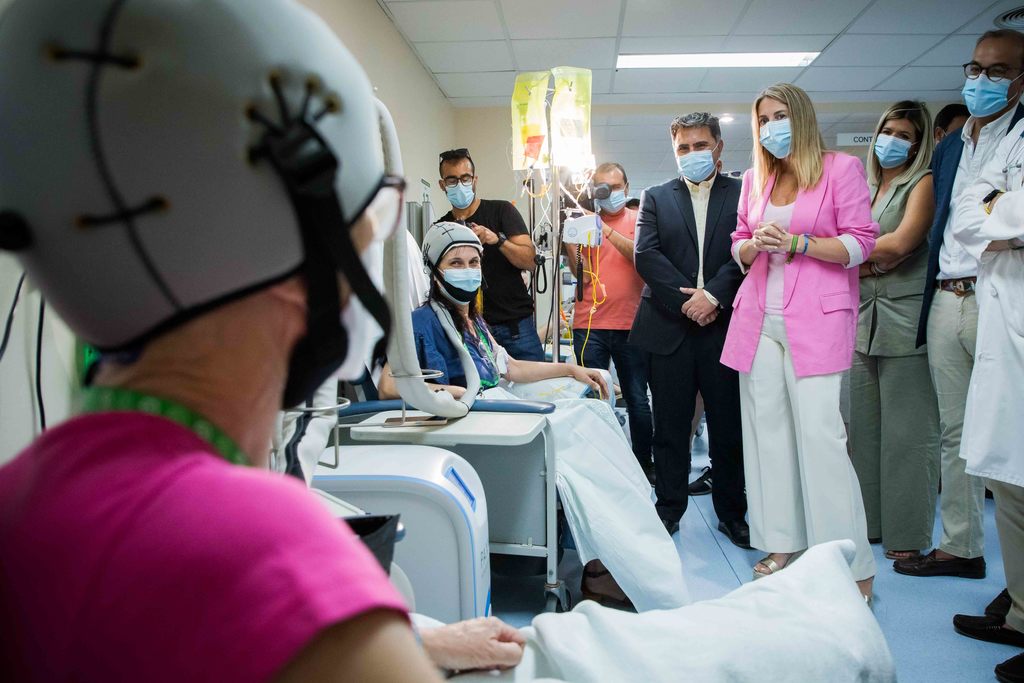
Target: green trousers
[894, 440]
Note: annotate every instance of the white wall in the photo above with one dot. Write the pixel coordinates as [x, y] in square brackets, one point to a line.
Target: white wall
[422, 114]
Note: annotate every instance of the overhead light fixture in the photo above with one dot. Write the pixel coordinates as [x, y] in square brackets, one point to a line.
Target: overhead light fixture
[726, 118]
[710, 60]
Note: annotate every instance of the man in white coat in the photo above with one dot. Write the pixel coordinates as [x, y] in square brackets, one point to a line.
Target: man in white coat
[990, 227]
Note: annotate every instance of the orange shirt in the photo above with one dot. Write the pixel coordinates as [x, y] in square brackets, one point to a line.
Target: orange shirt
[618, 283]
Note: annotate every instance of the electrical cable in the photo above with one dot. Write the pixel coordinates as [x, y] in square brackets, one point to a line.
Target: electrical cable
[39, 365]
[10, 317]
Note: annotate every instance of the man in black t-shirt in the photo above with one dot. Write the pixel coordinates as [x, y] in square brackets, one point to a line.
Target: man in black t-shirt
[508, 251]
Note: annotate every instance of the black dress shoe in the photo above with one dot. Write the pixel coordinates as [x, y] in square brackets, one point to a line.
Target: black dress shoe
[670, 526]
[1000, 606]
[928, 565]
[989, 629]
[736, 531]
[1011, 671]
[701, 486]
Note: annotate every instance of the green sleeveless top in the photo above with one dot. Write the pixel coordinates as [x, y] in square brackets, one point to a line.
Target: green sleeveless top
[890, 304]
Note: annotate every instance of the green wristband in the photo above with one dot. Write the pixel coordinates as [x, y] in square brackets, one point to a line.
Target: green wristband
[792, 248]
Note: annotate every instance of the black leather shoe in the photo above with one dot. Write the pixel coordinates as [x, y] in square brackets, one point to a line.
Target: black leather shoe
[1000, 606]
[701, 486]
[1011, 671]
[989, 629]
[671, 527]
[736, 531]
[928, 565]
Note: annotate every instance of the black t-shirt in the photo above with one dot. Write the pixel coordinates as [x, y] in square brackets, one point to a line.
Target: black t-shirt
[505, 296]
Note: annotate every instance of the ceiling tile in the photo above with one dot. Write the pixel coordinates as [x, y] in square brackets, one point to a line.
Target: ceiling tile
[635, 132]
[985, 20]
[451, 20]
[628, 147]
[601, 82]
[562, 19]
[746, 80]
[680, 17]
[819, 78]
[657, 80]
[914, 16]
[864, 50]
[658, 45]
[488, 84]
[925, 78]
[766, 43]
[469, 102]
[796, 17]
[953, 51]
[477, 55]
[637, 119]
[544, 54]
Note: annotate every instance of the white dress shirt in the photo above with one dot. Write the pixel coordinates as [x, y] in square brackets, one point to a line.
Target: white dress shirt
[700, 193]
[954, 261]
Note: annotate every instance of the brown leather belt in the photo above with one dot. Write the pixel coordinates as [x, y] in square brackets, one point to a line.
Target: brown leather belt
[960, 286]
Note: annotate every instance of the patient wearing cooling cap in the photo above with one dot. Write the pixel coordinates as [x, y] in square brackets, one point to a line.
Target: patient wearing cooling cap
[630, 559]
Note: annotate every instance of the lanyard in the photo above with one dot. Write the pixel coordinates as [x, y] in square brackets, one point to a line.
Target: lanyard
[106, 399]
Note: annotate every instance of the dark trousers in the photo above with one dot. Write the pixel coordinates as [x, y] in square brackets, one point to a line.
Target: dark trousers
[519, 338]
[604, 346]
[675, 379]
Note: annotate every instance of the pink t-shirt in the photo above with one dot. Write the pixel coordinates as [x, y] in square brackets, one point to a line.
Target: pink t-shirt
[130, 551]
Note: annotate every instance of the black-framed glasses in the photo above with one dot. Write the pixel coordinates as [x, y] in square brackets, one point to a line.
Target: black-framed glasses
[386, 207]
[452, 181]
[996, 72]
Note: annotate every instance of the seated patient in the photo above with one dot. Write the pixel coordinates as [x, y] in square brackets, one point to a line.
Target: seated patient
[605, 493]
[135, 543]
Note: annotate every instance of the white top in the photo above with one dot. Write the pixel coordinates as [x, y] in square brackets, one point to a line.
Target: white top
[775, 285]
[700, 193]
[954, 261]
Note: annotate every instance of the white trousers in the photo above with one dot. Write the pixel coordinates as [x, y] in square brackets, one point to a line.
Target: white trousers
[801, 486]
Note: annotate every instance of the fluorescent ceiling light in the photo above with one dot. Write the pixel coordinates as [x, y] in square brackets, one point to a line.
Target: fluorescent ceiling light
[706, 60]
[726, 118]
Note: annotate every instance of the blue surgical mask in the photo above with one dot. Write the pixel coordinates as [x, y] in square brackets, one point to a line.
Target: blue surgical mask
[776, 137]
[696, 166]
[461, 284]
[984, 96]
[460, 196]
[616, 200]
[891, 151]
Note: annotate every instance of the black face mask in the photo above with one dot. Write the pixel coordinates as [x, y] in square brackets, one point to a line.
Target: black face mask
[306, 163]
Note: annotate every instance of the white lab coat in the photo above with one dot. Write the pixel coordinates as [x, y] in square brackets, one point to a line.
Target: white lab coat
[993, 436]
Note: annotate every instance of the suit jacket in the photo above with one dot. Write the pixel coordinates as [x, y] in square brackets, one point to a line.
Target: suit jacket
[945, 162]
[819, 299]
[665, 253]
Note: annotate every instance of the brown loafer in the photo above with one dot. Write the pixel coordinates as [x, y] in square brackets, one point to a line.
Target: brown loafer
[989, 629]
[929, 565]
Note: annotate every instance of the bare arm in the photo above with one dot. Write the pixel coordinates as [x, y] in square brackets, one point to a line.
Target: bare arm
[519, 251]
[534, 371]
[913, 229]
[388, 390]
[377, 646]
[622, 244]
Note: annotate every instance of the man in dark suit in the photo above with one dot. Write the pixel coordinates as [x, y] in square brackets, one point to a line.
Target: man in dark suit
[683, 254]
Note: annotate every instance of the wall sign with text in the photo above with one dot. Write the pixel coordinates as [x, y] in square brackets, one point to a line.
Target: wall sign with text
[854, 139]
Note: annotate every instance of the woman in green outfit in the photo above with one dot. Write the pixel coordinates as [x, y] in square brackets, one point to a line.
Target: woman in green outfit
[894, 423]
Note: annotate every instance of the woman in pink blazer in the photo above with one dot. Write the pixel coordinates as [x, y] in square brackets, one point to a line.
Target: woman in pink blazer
[804, 225]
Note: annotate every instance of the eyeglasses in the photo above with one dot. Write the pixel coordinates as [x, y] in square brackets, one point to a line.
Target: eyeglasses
[452, 181]
[996, 72]
[386, 207]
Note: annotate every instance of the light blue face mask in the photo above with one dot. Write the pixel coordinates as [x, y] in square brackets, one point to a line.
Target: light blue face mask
[891, 151]
[460, 196]
[984, 96]
[616, 200]
[776, 137]
[465, 280]
[696, 166]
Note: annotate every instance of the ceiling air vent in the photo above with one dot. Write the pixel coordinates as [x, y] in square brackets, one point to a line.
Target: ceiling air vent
[1013, 19]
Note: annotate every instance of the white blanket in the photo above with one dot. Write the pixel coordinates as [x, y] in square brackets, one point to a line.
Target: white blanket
[806, 623]
[607, 503]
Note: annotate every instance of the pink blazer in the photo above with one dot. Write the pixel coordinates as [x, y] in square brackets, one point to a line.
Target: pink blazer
[820, 299]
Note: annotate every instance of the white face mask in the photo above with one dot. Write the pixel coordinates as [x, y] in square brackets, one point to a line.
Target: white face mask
[363, 330]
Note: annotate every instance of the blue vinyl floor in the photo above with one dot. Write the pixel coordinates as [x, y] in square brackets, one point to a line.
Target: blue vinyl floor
[915, 613]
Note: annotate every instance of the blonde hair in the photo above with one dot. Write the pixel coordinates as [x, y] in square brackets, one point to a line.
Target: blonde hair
[917, 113]
[806, 148]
